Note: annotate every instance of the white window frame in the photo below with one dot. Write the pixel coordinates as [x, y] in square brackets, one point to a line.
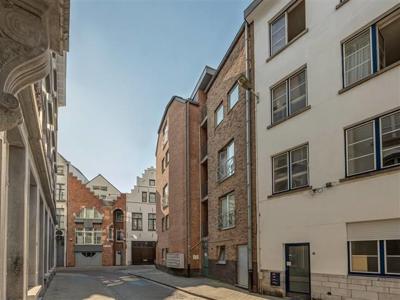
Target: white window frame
[84, 231]
[345, 84]
[220, 106]
[287, 169]
[351, 257]
[380, 139]
[230, 93]
[291, 171]
[385, 255]
[347, 145]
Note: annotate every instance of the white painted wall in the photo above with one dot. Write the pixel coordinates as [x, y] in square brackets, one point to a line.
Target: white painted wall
[111, 194]
[134, 204]
[319, 219]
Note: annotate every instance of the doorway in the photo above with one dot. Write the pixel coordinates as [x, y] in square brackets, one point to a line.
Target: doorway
[242, 264]
[297, 261]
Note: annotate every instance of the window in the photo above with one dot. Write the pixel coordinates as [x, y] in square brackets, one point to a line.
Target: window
[163, 224]
[152, 197]
[99, 188]
[367, 152]
[144, 196]
[166, 222]
[219, 114]
[152, 222]
[167, 158]
[163, 165]
[120, 234]
[364, 256]
[392, 257]
[137, 221]
[152, 182]
[226, 161]
[373, 49]
[165, 196]
[165, 133]
[60, 217]
[60, 192]
[89, 213]
[227, 211]
[290, 169]
[87, 236]
[287, 26]
[289, 97]
[119, 216]
[233, 96]
[221, 255]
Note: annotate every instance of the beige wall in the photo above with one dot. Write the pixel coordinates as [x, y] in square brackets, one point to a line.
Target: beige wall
[321, 218]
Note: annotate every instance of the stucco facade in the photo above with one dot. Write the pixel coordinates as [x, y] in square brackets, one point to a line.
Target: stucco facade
[141, 235]
[334, 210]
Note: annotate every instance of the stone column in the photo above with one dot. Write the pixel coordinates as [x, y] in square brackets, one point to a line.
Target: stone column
[33, 220]
[41, 241]
[18, 180]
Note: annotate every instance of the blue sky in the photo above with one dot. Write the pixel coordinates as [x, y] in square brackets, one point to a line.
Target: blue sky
[126, 59]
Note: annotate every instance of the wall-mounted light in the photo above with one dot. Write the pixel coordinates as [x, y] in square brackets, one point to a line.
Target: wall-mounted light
[245, 83]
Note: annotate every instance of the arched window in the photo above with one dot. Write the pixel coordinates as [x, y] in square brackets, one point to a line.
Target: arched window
[119, 216]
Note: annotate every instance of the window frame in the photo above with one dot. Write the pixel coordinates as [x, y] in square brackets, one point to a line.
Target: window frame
[144, 195]
[155, 198]
[227, 159]
[220, 106]
[137, 223]
[284, 13]
[286, 80]
[153, 221]
[347, 144]
[288, 154]
[378, 149]
[226, 198]
[351, 258]
[385, 257]
[235, 85]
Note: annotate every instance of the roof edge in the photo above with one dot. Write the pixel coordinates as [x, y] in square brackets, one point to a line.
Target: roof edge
[252, 6]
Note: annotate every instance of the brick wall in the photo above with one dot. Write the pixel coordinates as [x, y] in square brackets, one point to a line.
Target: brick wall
[80, 196]
[232, 127]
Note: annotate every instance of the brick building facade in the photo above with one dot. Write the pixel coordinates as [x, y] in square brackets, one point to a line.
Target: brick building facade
[96, 228]
[177, 185]
[227, 161]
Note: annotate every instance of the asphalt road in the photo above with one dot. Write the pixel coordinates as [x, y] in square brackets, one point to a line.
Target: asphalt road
[109, 284]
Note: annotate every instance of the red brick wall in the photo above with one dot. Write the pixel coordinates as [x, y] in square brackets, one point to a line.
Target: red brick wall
[80, 196]
[175, 239]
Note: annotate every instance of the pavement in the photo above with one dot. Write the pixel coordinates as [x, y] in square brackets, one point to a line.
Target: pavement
[139, 282]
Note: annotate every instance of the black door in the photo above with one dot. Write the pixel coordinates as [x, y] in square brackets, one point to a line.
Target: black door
[298, 270]
[60, 251]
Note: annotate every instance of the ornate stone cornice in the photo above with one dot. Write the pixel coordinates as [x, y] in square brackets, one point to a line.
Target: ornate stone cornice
[24, 53]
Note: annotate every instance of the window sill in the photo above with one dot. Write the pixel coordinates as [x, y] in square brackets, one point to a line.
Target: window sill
[341, 4]
[298, 190]
[227, 228]
[392, 66]
[225, 178]
[287, 45]
[289, 117]
[371, 174]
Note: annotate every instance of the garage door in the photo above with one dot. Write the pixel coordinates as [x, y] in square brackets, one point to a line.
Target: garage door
[88, 259]
[143, 253]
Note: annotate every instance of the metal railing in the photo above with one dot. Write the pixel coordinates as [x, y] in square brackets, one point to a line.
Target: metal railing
[226, 220]
[226, 168]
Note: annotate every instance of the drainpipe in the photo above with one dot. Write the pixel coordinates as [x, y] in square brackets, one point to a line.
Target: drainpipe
[187, 189]
[248, 166]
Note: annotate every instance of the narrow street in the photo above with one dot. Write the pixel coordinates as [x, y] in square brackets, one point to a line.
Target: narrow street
[108, 284]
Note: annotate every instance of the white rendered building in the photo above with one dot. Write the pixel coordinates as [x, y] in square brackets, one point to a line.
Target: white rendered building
[327, 74]
[141, 236]
[103, 189]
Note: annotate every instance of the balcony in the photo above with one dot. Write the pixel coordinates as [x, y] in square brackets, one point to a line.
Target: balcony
[164, 201]
[226, 168]
[226, 220]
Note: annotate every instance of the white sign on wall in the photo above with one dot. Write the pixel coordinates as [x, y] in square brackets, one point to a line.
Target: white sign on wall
[175, 260]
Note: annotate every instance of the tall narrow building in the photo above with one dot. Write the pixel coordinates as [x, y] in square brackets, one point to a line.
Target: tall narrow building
[34, 41]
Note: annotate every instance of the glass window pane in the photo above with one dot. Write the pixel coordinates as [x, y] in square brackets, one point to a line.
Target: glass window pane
[360, 149]
[280, 165]
[393, 256]
[219, 114]
[364, 256]
[299, 167]
[298, 97]
[279, 108]
[390, 131]
[233, 96]
[357, 58]
[278, 35]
